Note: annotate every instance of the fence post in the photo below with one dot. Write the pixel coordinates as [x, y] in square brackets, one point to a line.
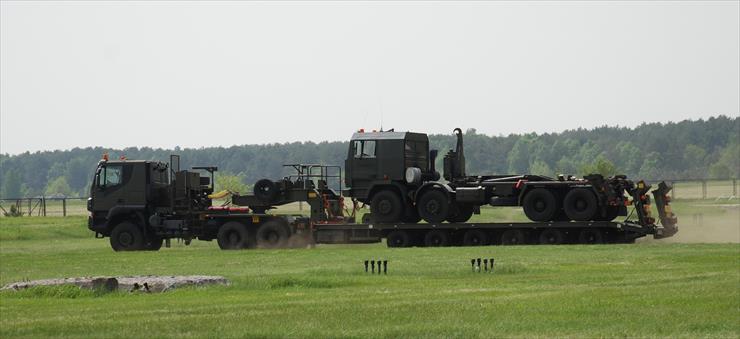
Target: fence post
[64, 206]
[43, 204]
[29, 207]
[703, 189]
[734, 187]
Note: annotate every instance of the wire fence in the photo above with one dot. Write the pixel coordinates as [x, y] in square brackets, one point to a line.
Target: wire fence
[708, 189]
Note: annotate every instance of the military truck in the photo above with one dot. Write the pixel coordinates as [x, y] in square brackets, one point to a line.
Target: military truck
[394, 172]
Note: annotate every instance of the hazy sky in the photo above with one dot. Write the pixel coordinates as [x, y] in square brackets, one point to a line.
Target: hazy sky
[195, 74]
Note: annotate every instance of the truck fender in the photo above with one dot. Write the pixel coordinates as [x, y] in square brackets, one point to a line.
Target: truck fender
[434, 185]
[123, 212]
[401, 189]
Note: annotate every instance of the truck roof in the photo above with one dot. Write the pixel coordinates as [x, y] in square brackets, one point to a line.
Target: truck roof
[388, 136]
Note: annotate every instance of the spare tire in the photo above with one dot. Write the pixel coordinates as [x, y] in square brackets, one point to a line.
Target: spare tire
[265, 190]
[580, 204]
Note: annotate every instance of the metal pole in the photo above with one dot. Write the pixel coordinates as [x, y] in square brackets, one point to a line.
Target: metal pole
[703, 189]
[734, 187]
[43, 204]
[64, 207]
[29, 207]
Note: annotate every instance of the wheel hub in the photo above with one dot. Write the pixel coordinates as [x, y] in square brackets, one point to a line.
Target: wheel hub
[126, 239]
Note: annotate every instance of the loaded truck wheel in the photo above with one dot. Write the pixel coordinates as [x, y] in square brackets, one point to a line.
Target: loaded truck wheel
[475, 238]
[540, 205]
[127, 236]
[437, 238]
[580, 204]
[464, 212]
[551, 236]
[512, 237]
[265, 190]
[386, 206]
[398, 238]
[233, 236]
[272, 234]
[591, 236]
[434, 207]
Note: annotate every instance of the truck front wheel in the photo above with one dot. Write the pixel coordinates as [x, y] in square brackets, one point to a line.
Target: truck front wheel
[434, 207]
[386, 207]
[232, 236]
[126, 236]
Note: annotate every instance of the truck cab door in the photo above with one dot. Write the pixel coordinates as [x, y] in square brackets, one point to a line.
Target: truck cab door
[108, 190]
[364, 162]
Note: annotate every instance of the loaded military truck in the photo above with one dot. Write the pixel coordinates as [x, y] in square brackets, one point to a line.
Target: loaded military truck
[140, 204]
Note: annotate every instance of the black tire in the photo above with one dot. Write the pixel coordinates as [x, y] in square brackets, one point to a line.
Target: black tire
[551, 236]
[512, 237]
[398, 238]
[540, 204]
[154, 243]
[475, 238]
[464, 213]
[233, 236]
[127, 236]
[591, 236]
[437, 238]
[272, 234]
[265, 190]
[411, 216]
[580, 204]
[434, 206]
[367, 218]
[386, 207]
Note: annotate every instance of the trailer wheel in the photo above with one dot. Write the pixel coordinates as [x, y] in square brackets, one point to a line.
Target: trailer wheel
[512, 237]
[591, 236]
[434, 207]
[580, 204]
[475, 238]
[464, 212]
[272, 234]
[386, 206]
[551, 236]
[232, 236]
[126, 236]
[540, 205]
[437, 238]
[398, 238]
[265, 190]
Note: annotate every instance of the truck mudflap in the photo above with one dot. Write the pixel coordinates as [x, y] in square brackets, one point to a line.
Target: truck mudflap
[667, 226]
[668, 221]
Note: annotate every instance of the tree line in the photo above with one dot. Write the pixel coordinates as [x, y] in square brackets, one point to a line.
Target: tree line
[690, 149]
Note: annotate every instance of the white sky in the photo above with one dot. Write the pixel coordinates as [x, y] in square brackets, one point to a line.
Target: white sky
[195, 74]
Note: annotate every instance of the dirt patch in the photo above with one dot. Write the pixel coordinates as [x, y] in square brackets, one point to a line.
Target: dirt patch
[146, 283]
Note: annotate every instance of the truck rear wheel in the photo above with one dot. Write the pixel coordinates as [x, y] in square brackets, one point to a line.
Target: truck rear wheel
[386, 206]
[540, 205]
[475, 238]
[232, 236]
[591, 236]
[434, 207]
[398, 238]
[580, 204]
[272, 234]
[437, 238]
[512, 237]
[551, 236]
[154, 243]
[126, 236]
[464, 212]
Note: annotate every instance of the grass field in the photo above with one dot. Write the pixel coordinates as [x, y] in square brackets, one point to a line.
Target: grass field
[649, 289]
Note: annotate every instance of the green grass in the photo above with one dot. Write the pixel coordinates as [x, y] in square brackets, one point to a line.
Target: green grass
[651, 289]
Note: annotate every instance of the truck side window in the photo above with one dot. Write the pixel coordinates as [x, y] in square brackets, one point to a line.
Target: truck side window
[364, 148]
[110, 176]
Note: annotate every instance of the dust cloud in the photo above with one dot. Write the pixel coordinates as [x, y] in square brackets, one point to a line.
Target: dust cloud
[709, 228]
